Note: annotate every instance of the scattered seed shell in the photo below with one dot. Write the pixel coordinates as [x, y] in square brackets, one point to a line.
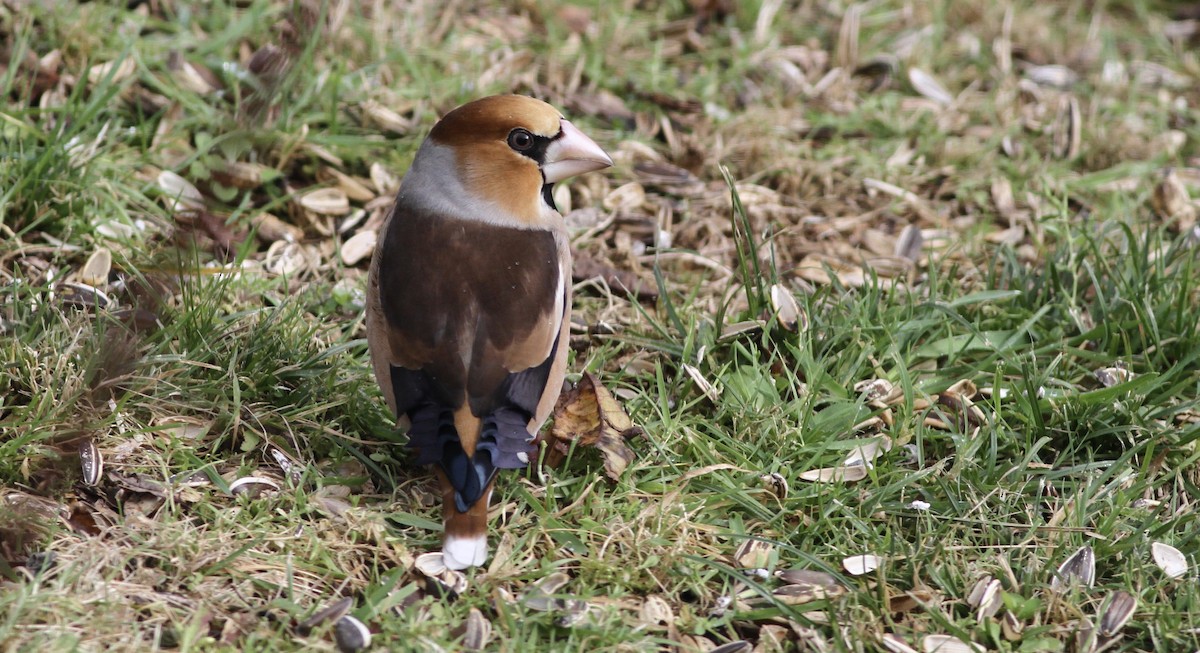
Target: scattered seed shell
[1111, 376]
[739, 646]
[868, 451]
[351, 634]
[431, 564]
[875, 389]
[1080, 567]
[894, 644]
[1119, 609]
[986, 598]
[656, 611]
[92, 463]
[478, 631]
[270, 228]
[776, 484]
[252, 486]
[1053, 75]
[839, 474]
[326, 201]
[1068, 128]
[753, 554]
[798, 594]
[95, 270]
[948, 644]
[386, 184]
[858, 565]
[1010, 627]
[179, 193]
[806, 577]
[360, 246]
[787, 311]
[540, 597]
[910, 243]
[926, 85]
[1169, 559]
[704, 384]
[332, 612]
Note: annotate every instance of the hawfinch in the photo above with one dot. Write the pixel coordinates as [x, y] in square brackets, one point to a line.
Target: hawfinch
[469, 299]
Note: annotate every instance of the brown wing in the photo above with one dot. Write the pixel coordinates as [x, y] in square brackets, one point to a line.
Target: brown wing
[464, 321]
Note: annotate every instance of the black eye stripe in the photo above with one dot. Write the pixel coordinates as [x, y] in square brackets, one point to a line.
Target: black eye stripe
[537, 144]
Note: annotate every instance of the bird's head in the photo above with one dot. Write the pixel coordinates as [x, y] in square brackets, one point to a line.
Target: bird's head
[504, 152]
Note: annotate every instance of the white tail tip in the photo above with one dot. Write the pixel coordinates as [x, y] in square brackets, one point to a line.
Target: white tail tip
[463, 552]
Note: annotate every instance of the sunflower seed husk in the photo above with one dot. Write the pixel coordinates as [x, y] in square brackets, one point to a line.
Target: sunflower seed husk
[1171, 201]
[383, 117]
[252, 486]
[92, 462]
[948, 644]
[861, 564]
[478, 631]
[806, 577]
[753, 554]
[81, 295]
[1011, 627]
[331, 612]
[1169, 559]
[351, 634]
[776, 484]
[926, 85]
[839, 474]
[386, 184]
[326, 201]
[179, 193]
[431, 564]
[656, 611]
[894, 644]
[1119, 609]
[787, 311]
[95, 270]
[739, 646]
[798, 594]
[1080, 567]
[985, 598]
[875, 389]
[541, 597]
[360, 246]
[1052, 75]
[270, 229]
[706, 386]
[1111, 376]
[1068, 129]
[866, 453]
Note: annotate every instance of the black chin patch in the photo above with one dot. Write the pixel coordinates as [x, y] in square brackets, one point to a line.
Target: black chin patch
[548, 195]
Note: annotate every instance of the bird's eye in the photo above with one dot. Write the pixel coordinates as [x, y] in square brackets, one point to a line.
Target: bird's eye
[520, 140]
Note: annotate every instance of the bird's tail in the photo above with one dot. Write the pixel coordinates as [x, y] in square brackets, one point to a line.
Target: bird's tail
[464, 541]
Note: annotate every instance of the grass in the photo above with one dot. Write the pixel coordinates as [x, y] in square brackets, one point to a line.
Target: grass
[220, 349]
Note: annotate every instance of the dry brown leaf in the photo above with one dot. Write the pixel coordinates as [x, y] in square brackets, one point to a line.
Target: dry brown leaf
[588, 414]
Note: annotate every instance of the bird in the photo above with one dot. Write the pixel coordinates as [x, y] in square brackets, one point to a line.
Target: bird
[469, 299]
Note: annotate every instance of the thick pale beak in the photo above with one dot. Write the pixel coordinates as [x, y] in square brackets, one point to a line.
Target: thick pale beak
[572, 153]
